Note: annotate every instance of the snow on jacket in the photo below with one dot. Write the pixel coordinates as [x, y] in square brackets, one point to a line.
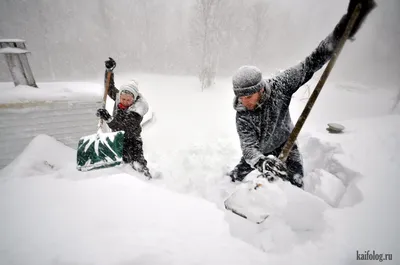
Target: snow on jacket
[129, 119]
[269, 125]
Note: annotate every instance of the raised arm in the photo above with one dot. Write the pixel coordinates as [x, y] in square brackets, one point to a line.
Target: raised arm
[293, 78]
[112, 90]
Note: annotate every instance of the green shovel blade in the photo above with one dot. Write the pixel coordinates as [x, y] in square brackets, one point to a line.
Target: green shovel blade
[100, 150]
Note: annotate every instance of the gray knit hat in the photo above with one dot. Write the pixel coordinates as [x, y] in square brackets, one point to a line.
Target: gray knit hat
[247, 80]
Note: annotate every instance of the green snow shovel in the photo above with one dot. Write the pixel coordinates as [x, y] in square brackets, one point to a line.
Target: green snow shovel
[103, 149]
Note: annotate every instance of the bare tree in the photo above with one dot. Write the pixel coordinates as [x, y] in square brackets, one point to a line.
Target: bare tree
[45, 20]
[106, 24]
[396, 102]
[259, 28]
[205, 33]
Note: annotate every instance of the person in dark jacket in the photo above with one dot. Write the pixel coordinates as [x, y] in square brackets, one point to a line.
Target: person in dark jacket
[129, 108]
[263, 120]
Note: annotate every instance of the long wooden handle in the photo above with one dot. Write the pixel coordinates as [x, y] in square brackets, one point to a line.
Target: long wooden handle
[106, 87]
[310, 103]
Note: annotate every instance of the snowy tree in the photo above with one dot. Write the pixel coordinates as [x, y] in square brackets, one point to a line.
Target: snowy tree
[259, 29]
[205, 36]
[45, 21]
[396, 102]
[106, 23]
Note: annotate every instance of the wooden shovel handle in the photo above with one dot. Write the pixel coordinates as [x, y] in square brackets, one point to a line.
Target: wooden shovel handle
[106, 87]
[307, 109]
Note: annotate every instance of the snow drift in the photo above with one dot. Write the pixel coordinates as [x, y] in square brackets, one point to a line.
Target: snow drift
[53, 214]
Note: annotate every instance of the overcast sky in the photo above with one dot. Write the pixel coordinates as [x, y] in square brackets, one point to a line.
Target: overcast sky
[70, 39]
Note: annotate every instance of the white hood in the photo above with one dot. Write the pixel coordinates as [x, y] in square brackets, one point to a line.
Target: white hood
[140, 104]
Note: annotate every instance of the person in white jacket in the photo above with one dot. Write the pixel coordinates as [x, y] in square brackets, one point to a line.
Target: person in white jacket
[129, 108]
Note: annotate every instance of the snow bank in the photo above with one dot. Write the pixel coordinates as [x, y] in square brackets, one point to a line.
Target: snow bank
[326, 186]
[110, 219]
[334, 164]
[349, 205]
[42, 156]
[116, 219]
[371, 147]
[340, 102]
[328, 170]
[51, 92]
[61, 216]
[12, 50]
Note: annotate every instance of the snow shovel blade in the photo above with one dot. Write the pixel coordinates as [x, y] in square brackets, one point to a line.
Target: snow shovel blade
[249, 202]
[100, 150]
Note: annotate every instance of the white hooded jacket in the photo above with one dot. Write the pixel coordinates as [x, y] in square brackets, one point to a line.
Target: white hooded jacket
[139, 105]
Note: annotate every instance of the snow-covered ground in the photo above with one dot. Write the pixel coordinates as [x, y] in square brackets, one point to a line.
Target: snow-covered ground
[51, 92]
[52, 214]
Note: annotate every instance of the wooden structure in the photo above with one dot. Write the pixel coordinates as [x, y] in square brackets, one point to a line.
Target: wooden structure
[67, 121]
[16, 56]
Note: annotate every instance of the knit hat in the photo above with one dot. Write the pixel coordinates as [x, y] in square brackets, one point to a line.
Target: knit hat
[132, 87]
[247, 80]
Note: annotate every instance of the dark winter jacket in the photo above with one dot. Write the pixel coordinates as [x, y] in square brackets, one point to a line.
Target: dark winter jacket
[269, 125]
[128, 120]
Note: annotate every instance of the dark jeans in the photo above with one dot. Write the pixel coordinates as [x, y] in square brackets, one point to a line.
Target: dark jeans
[293, 163]
[133, 152]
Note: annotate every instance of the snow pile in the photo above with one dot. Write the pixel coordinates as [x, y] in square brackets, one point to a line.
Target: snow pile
[372, 223]
[61, 216]
[42, 156]
[344, 102]
[115, 219]
[326, 186]
[102, 215]
[327, 172]
[51, 92]
[11, 50]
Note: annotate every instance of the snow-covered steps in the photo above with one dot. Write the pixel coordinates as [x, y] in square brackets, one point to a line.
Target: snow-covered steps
[66, 121]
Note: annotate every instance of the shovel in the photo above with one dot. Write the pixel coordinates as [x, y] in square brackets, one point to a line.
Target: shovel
[255, 191]
[103, 149]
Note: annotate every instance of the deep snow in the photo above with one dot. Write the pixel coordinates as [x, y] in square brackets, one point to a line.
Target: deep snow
[52, 214]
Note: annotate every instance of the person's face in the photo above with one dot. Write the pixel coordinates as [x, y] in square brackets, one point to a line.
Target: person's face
[126, 100]
[250, 102]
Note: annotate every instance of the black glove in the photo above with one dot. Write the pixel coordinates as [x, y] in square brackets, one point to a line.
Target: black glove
[271, 167]
[103, 114]
[110, 64]
[366, 7]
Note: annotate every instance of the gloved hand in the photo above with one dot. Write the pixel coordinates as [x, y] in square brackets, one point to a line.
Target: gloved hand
[272, 166]
[366, 8]
[110, 64]
[103, 114]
